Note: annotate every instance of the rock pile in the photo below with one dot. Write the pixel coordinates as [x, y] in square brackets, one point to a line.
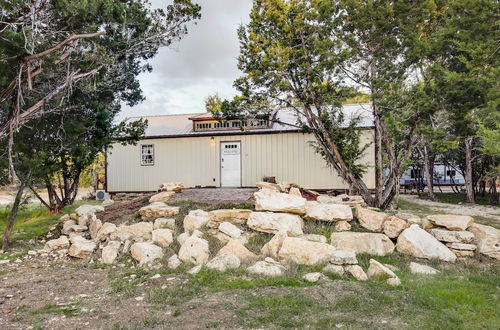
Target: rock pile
[451, 230]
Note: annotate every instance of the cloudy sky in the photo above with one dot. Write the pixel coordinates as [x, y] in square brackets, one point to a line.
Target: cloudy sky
[201, 64]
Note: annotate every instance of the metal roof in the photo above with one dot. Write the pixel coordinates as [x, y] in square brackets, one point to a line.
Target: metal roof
[182, 125]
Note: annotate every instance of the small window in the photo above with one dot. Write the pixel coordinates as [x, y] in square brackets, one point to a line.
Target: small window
[147, 155]
[415, 174]
[451, 173]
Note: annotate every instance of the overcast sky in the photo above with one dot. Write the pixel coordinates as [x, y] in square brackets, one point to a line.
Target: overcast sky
[202, 63]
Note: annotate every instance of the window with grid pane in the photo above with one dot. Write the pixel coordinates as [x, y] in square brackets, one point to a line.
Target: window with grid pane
[147, 155]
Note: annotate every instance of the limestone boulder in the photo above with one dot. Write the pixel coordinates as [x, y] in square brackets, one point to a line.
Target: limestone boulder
[487, 239]
[224, 262]
[371, 220]
[342, 226]
[357, 272]
[158, 210]
[105, 231]
[303, 252]
[328, 212]
[81, 248]
[234, 246]
[295, 191]
[271, 200]
[71, 226]
[343, 257]
[230, 229]
[195, 250]
[451, 221]
[271, 248]
[87, 210]
[393, 281]
[409, 218]
[165, 223]
[452, 236]
[417, 242]
[110, 252]
[94, 226]
[416, 268]
[462, 246]
[269, 222]
[234, 216]
[314, 238]
[162, 237]
[146, 252]
[267, 267]
[268, 185]
[333, 269]
[138, 232]
[314, 277]
[195, 219]
[57, 244]
[174, 262]
[370, 243]
[162, 196]
[171, 186]
[379, 271]
[393, 226]
[463, 253]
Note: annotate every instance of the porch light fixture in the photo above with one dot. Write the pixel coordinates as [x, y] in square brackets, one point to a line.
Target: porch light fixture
[212, 141]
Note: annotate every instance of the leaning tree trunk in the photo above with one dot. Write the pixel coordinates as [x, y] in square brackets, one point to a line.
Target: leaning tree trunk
[11, 219]
[429, 172]
[469, 184]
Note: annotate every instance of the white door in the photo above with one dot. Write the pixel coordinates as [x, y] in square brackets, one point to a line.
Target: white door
[230, 164]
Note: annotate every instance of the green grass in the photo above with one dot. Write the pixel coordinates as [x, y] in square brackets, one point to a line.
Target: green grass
[461, 198]
[71, 309]
[33, 221]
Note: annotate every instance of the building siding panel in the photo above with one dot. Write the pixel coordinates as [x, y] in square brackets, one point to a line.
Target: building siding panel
[195, 161]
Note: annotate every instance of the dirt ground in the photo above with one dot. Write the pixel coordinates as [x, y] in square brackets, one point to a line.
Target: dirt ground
[7, 195]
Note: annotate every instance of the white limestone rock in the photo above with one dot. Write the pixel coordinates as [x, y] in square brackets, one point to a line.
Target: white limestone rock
[195, 250]
[370, 243]
[195, 219]
[158, 210]
[106, 230]
[314, 277]
[451, 221]
[416, 268]
[234, 246]
[138, 232]
[162, 237]
[81, 248]
[269, 222]
[162, 196]
[174, 262]
[267, 267]
[110, 252]
[165, 223]
[357, 272]
[371, 220]
[379, 271]
[230, 229]
[328, 212]
[343, 257]
[342, 226]
[452, 236]
[487, 239]
[234, 216]
[270, 200]
[418, 243]
[333, 269]
[393, 226]
[271, 248]
[303, 252]
[146, 252]
[224, 262]
[57, 244]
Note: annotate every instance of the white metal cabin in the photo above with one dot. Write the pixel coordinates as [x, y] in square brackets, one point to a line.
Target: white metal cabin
[200, 151]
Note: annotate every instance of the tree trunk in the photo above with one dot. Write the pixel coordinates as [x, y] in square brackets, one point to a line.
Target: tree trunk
[379, 179]
[469, 184]
[11, 219]
[429, 172]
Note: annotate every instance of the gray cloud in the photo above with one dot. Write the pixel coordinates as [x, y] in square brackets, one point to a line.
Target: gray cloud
[202, 63]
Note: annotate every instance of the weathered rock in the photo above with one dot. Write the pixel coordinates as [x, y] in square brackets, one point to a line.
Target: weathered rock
[183, 237]
[328, 212]
[370, 243]
[230, 229]
[162, 237]
[70, 226]
[107, 229]
[303, 252]
[168, 223]
[94, 226]
[295, 191]
[145, 252]
[162, 196]
[463, 253]
[379, 271]
[314, 238]
[85, 211]
[81, 248]
[269, 222]
[194, 270]
[174, 262]
[234, 216]
[342, 226]
[110, 252]
[195, 219]
[357, 272]
[418, 243]
[393, 281]
[451, 221]
[452, 236]
[462, 246]
[333, 269]
[158, 210]
[416, 268]
[268, 185]
[371, 220]
[64, 218]
[270, 200]
[410, 218]
[487, 239]
[234, 246]
[56, 244]
[271, 248]
[224, 262]
[314, 277]
[344, 257]
[73, 216]
[393, 226]
[172, 186]
[267, 267]
[138, 232]
[195, 250]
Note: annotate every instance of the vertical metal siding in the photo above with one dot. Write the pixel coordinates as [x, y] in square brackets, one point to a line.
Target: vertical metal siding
[194, 161]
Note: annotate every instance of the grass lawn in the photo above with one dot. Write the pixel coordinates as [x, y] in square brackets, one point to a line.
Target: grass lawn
[461, 198]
